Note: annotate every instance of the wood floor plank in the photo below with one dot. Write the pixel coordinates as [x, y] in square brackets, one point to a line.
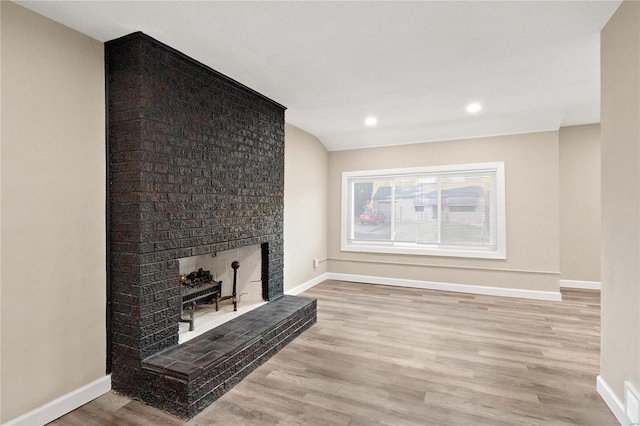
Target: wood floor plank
[382, 355]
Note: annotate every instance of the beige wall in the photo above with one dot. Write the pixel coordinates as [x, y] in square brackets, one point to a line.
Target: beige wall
[580, 203]
[620, 133]
[532, 192]
[305, 207]
[53, 211]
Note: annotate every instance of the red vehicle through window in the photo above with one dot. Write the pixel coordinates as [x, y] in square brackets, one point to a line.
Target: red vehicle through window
[371, 217]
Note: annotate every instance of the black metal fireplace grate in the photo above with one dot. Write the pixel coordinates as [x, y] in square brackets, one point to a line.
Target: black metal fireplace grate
[198, 288]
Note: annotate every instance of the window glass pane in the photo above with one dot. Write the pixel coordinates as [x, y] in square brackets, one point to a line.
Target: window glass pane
[404, 212]
[372, 210]
[362, 193]
[465, 208]
[426, 203]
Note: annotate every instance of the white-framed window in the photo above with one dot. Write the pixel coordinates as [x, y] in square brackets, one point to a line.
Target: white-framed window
[456, 210]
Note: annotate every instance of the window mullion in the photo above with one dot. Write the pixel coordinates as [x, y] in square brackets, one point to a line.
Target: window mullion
[393, 210]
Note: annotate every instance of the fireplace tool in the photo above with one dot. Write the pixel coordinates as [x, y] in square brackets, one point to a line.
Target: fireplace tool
[234, 265]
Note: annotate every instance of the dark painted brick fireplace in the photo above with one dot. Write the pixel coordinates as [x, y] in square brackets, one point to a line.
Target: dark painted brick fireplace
[196, 166]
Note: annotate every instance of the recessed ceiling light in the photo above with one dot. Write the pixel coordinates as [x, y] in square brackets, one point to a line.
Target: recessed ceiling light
[371, 121]
[473, 108]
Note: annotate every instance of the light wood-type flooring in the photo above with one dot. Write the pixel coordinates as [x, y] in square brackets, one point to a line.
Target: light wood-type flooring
[402, 356]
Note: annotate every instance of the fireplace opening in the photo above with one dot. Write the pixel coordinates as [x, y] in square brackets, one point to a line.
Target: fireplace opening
[206, 281]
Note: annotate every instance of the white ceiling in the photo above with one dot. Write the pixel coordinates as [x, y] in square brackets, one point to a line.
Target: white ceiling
[533, 65]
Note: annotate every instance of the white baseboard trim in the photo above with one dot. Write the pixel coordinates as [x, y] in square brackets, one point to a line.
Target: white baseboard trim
[65, 404]
[613, 402]
[632, 403]
[584, 285]
[306, 286]
[460, 288]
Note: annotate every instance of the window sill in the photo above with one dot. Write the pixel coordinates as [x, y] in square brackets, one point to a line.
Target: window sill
[412, 249]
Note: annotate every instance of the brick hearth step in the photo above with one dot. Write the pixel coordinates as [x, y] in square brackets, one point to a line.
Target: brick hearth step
[186, 378]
